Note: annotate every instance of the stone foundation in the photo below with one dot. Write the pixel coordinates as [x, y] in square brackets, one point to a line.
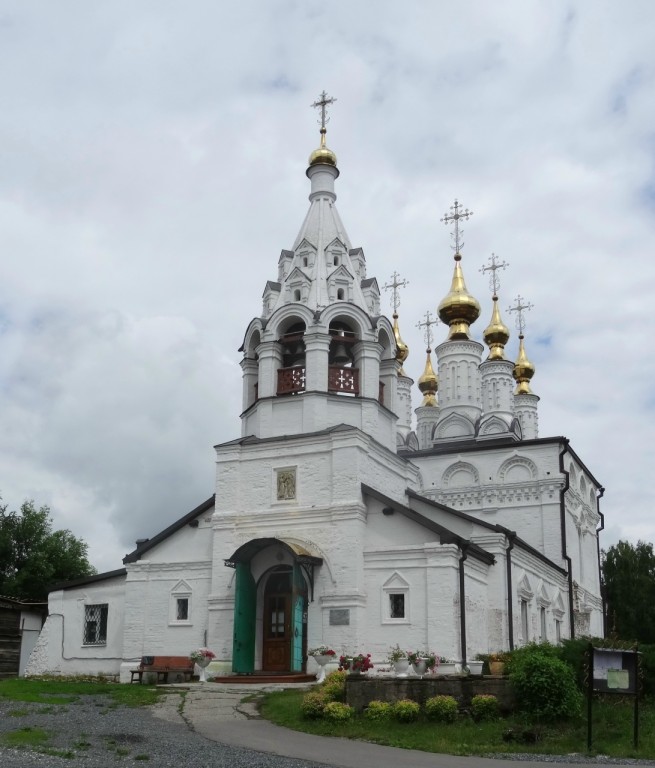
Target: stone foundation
[362, 690]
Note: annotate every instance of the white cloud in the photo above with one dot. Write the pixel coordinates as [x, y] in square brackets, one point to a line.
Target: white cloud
[152, 168]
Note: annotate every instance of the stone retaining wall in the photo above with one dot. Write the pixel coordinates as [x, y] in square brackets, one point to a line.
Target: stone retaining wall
[362, 690]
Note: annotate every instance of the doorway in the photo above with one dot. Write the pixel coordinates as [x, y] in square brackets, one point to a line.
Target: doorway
[276, 641]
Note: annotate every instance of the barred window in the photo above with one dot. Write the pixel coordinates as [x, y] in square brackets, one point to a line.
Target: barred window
[182, 612]
[95, 624]
[397, 606]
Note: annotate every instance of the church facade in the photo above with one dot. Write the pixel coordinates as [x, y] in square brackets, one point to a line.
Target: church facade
[339, 518]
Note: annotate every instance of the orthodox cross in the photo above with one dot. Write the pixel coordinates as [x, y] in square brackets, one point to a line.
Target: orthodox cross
[456, 215]
[520, 308]
[395, 285]
[494, 266]
[323, 103]
[427, 325]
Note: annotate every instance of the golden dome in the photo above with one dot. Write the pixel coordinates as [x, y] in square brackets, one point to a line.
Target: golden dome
[402, 350]
[322, 155]
[459, 309]
[523, 371]
[496, 334]
[429, 383]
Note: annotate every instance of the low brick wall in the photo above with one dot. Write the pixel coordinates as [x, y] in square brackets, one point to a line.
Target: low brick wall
[362, 690]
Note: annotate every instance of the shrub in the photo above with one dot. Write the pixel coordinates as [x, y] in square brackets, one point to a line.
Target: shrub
[484, 707]
[338, 712]
[545, 686]
[313, 704]
[334, 686]
[378, 710]
[516, 657]
[441, 708]
[406, 710]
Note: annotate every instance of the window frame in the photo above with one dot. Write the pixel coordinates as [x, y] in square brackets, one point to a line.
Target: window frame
[100, 624]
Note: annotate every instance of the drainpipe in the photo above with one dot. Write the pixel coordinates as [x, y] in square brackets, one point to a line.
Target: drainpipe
[562, 507]
[601, 586]
[462, 602]
[510, 598]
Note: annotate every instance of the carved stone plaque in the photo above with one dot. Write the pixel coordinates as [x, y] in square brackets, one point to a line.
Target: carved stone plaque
[340, 617]
[286, 484]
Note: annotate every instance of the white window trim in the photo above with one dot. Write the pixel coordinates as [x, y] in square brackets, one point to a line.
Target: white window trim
[180, 592]
[396, 585]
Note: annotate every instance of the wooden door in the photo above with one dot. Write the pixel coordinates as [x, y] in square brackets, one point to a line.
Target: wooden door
[276, 651]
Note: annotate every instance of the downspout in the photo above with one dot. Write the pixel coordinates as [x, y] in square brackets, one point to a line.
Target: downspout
[510, 598]
[565, 556]
[462, 602]
[601, 586]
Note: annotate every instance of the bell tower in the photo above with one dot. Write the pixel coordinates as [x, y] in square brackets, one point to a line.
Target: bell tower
[320, 354]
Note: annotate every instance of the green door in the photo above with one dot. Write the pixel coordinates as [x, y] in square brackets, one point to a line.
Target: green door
[245, 604]
[298, 619]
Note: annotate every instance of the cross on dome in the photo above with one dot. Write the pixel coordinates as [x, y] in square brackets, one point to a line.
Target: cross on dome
[429, 322]
[520, 308]
[456, 215]
[394, 286]
[494, 266]
[323, 102]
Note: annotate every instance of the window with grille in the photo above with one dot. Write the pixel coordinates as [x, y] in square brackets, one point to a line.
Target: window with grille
[397, 605]
[95, 624]
[182, 609]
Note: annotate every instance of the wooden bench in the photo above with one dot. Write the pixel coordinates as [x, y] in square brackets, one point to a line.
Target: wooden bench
[163, 666]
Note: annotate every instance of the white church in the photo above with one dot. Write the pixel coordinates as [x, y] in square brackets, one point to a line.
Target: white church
[338, 518]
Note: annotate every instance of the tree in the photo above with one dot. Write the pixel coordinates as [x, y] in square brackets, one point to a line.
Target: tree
[629, 584]
[33, 556]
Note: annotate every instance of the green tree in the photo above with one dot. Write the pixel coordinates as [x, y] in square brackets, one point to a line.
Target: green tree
[33, 556]
[629, 584]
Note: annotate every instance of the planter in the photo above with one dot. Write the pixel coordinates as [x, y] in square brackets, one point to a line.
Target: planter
[448, 668]
[322, 660]
[203, 664]
[497, 668]
[420, 667]
[475, 667]
[401, 667]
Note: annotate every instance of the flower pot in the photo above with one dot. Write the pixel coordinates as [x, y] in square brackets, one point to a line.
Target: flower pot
[401, 667]
[475, 667]
[448, 668]
[420, 667]
[497, 668]
[203, 663]
[321, 660]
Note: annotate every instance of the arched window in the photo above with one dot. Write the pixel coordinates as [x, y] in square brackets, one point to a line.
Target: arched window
[340, 294]
[291, 376]
[296, 295]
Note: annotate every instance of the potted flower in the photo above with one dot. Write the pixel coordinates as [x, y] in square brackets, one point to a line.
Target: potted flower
[355, 664]
[475, 667]
[447, 667]
[422, 661]
[497, 662]
[202, 657]
[321, 655]
[398, 660]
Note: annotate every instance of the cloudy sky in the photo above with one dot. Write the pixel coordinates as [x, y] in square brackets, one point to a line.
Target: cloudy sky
[152, 167]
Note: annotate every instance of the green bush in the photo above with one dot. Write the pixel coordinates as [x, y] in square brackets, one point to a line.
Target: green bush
[406, 710]
[313, 704]
[518, 655]
[441, 708]
[544, 686]
[484, 707]
[338, 712]
[378, 710]
[334, 686]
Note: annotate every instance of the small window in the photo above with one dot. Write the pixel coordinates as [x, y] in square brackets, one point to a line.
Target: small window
[296, 295]
[544, 635]
[182, 609]
[304, 261]
[558, 631]
[95, 624]
[524, 620]
[340, 294]
[336, 261]
[396, 606]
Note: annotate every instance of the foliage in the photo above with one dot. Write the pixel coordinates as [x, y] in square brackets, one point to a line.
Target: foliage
[338, 712]
[359, 662]
[33, 557]
[322, 650]
[628, 573]
[484, 707]
[431, 659]
[396, 653]
[443, 709]
[378, 710]
[406, 710]
[544, 686]
[61, 690]
[202, 653]
[313, 704]
[518, 655]
[334, 686]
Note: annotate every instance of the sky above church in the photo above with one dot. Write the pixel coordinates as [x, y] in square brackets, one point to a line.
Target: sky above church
[152, 167]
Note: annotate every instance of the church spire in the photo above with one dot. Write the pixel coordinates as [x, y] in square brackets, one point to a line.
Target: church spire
[458, 309]
[402, 350]
[496, 334]
[323, 155]
[524, 370]
[428, 382]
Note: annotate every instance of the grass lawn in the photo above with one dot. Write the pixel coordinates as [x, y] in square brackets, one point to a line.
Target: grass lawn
[612, 730]
[61, 691]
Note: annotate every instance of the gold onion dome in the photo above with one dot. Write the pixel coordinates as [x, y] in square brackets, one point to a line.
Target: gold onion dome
[323, 155]
[459, 309]
[496, 334]
[523, 371]
[402, 350]
[429, 383]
